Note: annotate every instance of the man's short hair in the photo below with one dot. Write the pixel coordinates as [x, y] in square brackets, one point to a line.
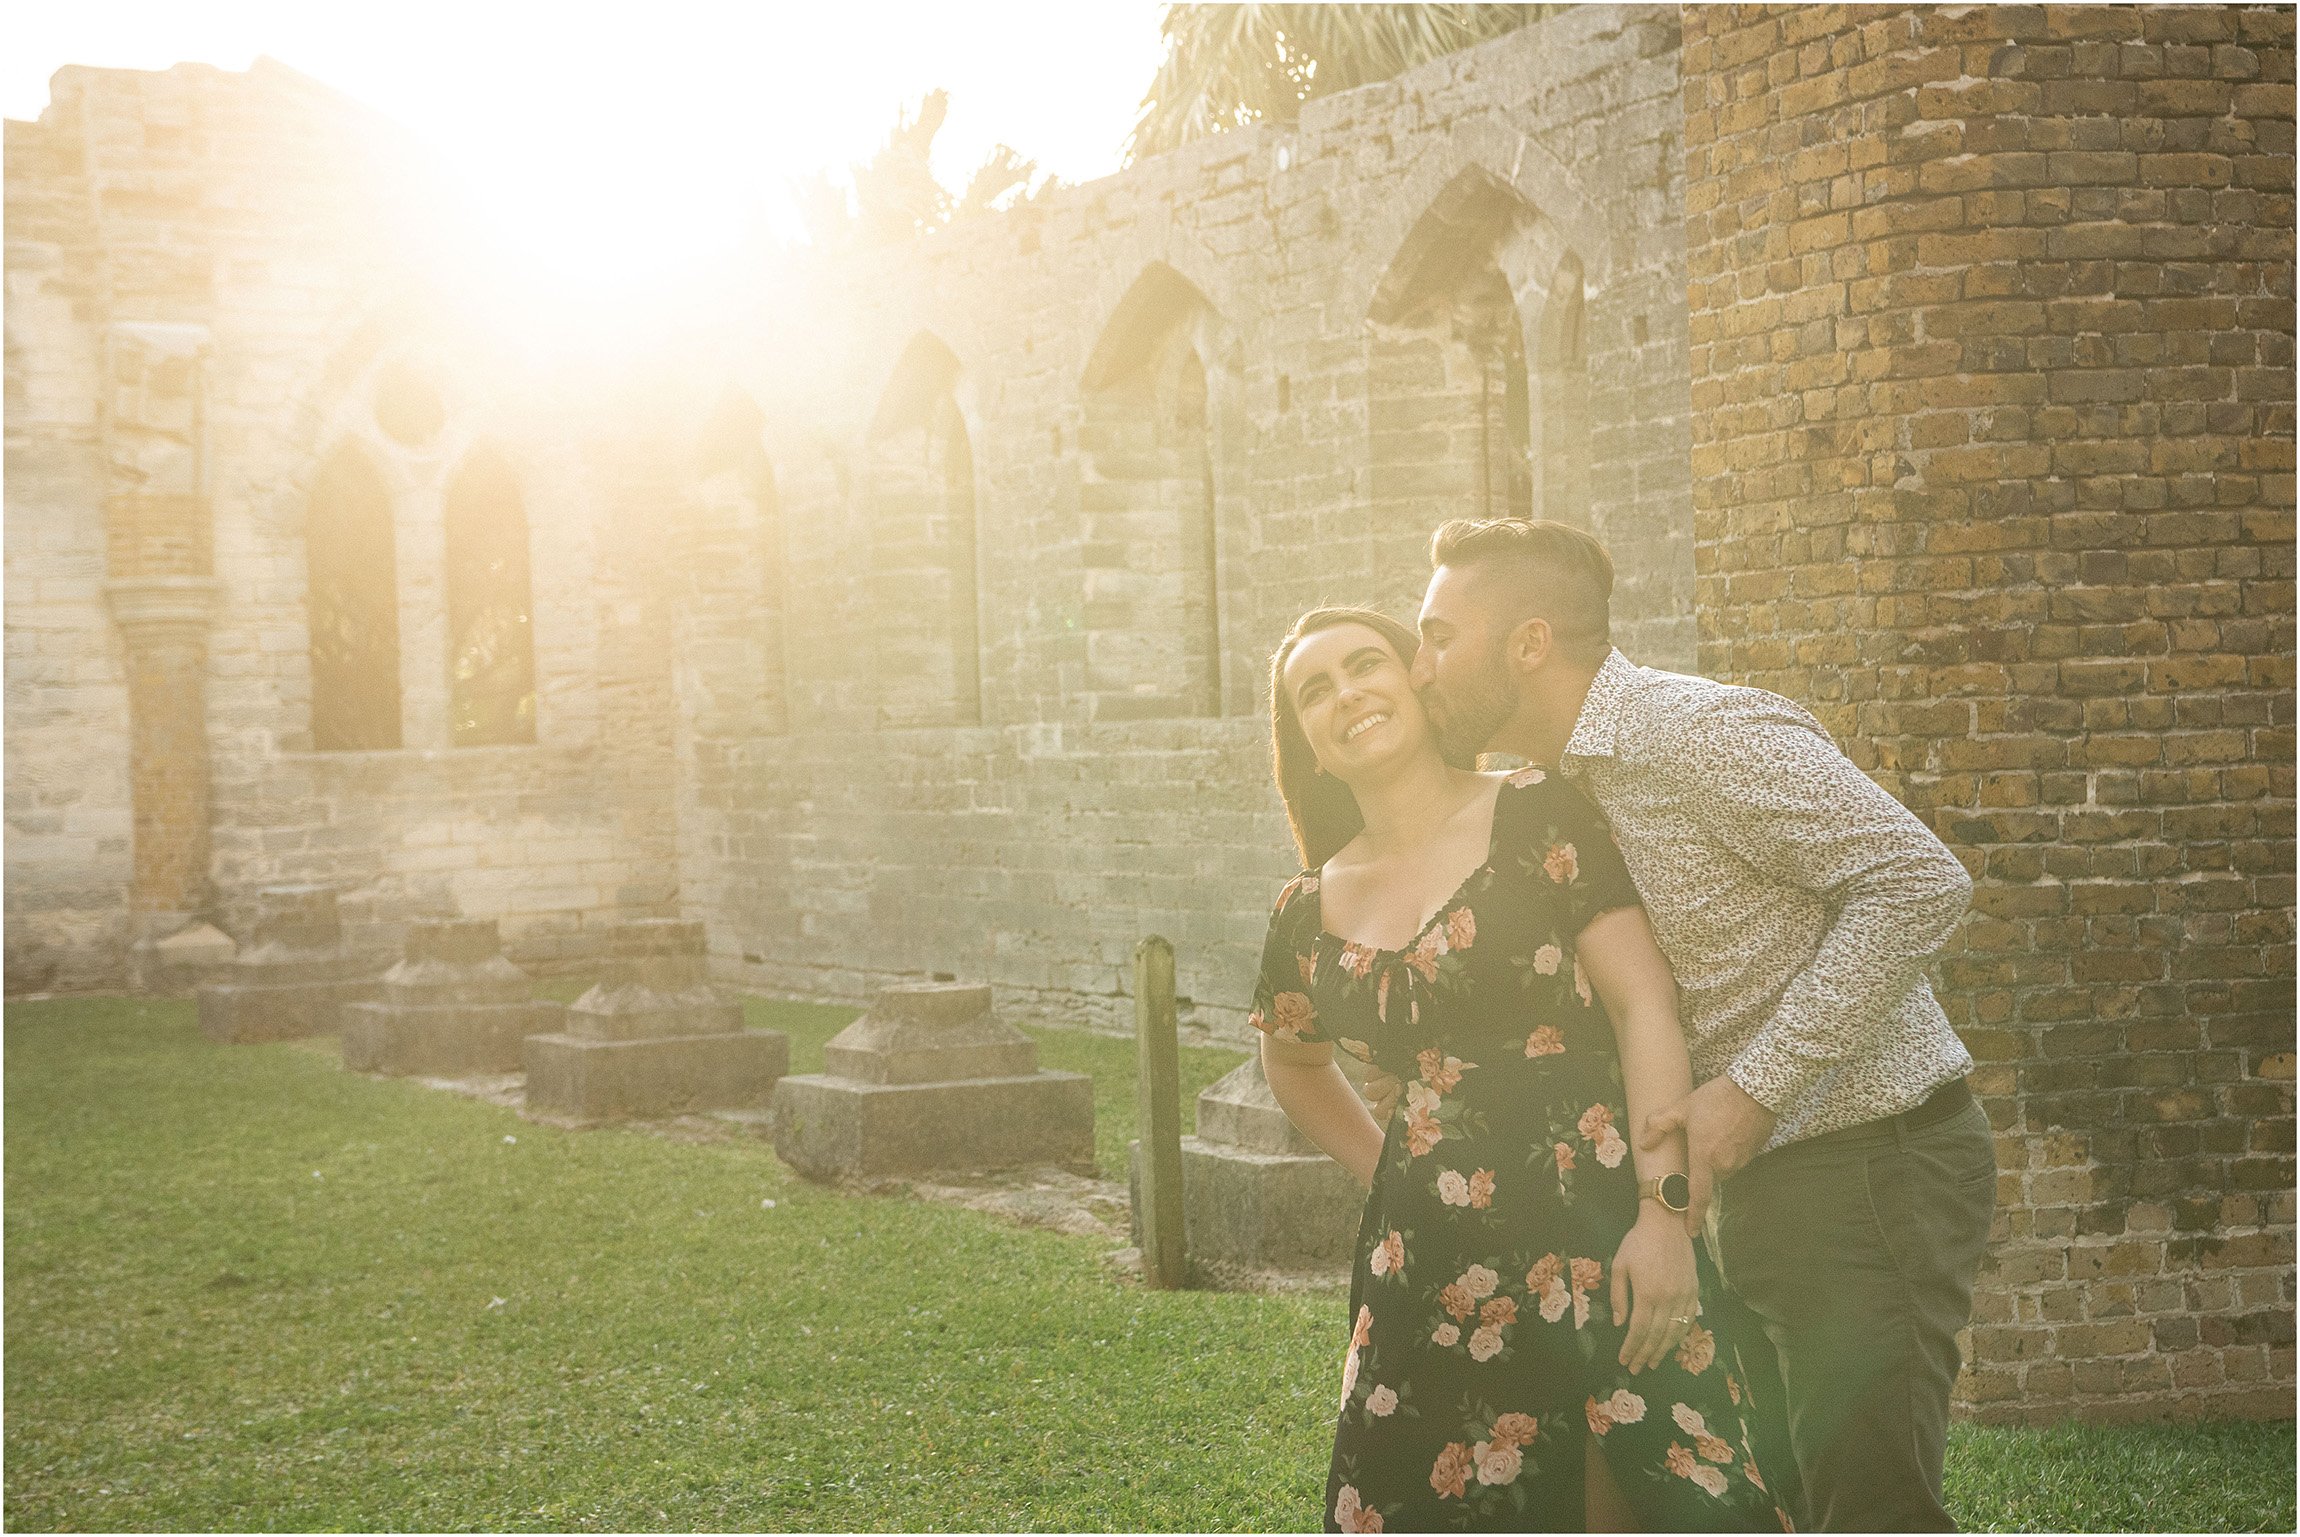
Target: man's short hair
[1550, 571]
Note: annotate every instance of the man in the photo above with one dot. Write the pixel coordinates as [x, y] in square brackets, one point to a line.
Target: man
[1797, 903]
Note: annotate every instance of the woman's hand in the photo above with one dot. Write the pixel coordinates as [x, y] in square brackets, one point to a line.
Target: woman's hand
[1654, 1266]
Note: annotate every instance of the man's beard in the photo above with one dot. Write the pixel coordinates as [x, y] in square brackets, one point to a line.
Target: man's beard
[1468, 714]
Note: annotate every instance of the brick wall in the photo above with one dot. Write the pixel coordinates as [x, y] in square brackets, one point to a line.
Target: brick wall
[1992, 324]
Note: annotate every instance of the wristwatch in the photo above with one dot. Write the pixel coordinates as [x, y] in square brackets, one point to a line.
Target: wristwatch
[1674, 1191]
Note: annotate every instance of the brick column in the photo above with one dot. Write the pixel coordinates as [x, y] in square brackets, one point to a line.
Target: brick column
[1992, 346]
[162, 595]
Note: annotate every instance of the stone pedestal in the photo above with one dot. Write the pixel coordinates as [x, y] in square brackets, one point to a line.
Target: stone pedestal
[653, 1039]
[292, 977]
[1259, 1200]
[931, 1080]
[452, 1008]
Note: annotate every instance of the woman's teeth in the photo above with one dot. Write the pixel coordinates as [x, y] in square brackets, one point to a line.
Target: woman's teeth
[1367, 724]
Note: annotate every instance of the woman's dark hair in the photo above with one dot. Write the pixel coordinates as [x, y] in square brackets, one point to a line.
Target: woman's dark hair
[1323, 812]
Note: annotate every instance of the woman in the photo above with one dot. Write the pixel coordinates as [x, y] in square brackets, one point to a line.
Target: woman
[1525, 1284]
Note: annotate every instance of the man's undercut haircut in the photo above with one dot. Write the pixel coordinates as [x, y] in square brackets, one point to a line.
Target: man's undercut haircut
[1551, 571]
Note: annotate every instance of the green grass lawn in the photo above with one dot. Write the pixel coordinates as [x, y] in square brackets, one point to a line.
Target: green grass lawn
[248, 1290]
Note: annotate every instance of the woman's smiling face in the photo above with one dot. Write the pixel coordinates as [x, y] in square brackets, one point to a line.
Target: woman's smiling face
[1354, 699]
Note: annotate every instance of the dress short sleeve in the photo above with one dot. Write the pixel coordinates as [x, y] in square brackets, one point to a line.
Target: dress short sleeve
[1553, 835]
[1282, 1008]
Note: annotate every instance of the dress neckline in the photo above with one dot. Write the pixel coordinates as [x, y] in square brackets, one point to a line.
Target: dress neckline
[1492, 836]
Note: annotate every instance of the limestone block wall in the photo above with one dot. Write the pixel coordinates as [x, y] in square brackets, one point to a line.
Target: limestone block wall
[270, 222]
[68, 807]
[1151, 420]
[1992, 365]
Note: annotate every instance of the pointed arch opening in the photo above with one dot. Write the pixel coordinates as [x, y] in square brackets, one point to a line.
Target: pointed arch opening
[352, 606]
[1449, 412]
[1151, 603]
[1561, 370]
[923, 542]
[743, 541]
[491, 652]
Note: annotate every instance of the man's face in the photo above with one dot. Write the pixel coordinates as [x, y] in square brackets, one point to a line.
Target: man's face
[1460, 672]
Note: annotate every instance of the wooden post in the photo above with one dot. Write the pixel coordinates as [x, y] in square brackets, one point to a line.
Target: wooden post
[1159, 1095]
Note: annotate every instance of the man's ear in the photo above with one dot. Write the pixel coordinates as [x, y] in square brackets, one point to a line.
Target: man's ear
[1529, 645]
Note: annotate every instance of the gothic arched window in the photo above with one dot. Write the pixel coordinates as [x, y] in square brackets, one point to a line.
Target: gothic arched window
[353, 606]
[490, 647]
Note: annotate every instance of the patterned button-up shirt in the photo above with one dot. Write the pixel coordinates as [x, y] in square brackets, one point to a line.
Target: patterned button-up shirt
[1797, 902]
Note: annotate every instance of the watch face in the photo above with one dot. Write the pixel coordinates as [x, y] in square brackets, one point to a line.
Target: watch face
[1676, 1191]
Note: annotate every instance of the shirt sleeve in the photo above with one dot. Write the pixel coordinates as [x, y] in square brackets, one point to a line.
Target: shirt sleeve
[1282, 1008]
[1560, 839]
[1767, 781]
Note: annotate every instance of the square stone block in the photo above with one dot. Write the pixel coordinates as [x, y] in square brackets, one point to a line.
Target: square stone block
[579, 1079]
[842, 1128]
[443, 1041]
[243, 1013]
[1248, 1214]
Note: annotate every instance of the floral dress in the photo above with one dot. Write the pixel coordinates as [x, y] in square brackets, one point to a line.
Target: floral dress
[1482, 1360]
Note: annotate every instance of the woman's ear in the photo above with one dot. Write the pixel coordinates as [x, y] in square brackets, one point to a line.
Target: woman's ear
[1529, 644]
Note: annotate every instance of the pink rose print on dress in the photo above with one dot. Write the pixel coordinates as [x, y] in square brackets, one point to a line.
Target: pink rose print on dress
[1481, 1190]
[1497, 1463]
[1389, 1256]
[1565, 1158]
[1441, 1072]
[1461, 928]
[1697, 1350]
[1515, 1429]
[1457, 1301]
[1547, 959]
[1479, 1281]
[1596, 1124]
[1449, 1476]
[1446, 1335]
[1307, 965]
[1581, 984]
[1293, 1015]
[1426, 953]
[1357, 1049]
[1712, 1449]
[1524, 777]
[1625, 1407]
[1546, 1041]
[1586, 1275]
[1710, 1479]
[1679, 1461]
[1351, 1513]
[1561, 864]
[1498, 1312]
[1356, 961]
[1599, 1417]
[1452, 1188]
[1382, 1402]
[1484, 1344]
[1363, 1330]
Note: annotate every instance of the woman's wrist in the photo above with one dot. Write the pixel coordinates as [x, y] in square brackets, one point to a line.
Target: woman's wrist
[1651, 1210]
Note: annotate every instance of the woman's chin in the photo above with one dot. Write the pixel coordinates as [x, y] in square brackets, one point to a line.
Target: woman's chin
[1386, 749]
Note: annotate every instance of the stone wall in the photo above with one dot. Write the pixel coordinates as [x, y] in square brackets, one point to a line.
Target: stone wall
[216, 284]
[1992, 325]
[1196, 399]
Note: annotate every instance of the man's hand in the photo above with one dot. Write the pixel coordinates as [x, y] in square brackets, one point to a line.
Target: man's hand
[1724, 1128]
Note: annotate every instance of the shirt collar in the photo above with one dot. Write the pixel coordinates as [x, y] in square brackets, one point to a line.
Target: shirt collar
[1600, 717]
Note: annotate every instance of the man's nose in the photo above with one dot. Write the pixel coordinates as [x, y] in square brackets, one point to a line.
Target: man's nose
[1421, 674]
